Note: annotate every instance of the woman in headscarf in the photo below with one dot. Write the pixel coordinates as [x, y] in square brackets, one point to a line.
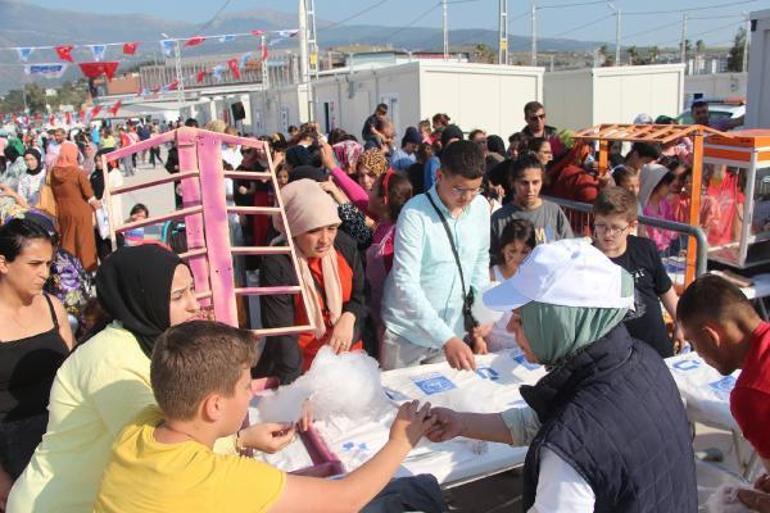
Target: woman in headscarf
[9, 178]
[75, 203]
[606, 427]
[331, 275]
[348, 152]
[31, 181]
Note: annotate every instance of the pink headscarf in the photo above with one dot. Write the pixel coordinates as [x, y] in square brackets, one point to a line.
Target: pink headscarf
[348, 153]
[68, 155]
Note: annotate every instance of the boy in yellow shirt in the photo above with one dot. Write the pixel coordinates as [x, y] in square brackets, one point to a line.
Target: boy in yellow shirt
[162, 461]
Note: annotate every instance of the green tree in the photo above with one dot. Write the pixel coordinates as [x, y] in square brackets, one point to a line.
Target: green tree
[700, 47]
[633, 55]
[654, 53]
[483, 53]
[735, 58]
[608, 58]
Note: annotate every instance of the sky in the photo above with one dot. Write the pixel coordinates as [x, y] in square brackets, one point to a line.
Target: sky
[643, 22]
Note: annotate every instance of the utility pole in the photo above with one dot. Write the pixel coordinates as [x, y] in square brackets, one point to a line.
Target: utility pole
[683, 44]
[617, 32]
[534, 33]
[179, 77]
[446, 28]
[305, 59]
[745, 63]
[502, 49]
[265, 70]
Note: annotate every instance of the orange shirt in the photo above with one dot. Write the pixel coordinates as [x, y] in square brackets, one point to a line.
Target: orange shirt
[307, 341]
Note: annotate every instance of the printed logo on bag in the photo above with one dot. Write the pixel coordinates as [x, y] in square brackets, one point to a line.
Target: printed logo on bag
[723, 386]
[433, 383]
[488, 373]
[687, 365]
[522, 360]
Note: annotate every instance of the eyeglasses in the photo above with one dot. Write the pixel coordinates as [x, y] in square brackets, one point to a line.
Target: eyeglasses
[457, 191]
[610, 230]
[536, 117]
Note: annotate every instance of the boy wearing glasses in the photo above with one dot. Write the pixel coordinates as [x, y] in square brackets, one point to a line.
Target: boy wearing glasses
[615, 218]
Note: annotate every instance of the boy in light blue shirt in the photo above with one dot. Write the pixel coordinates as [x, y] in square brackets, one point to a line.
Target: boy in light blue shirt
[427, 298]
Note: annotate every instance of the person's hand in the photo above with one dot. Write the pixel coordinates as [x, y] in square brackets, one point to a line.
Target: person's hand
[480, 346]
[411, 423]
[679, 340]
[342, 333]
[459, 355]
[446, 425]
[307, 416]
[95, 204]
[6, 190]
[755, 500]
[327, 156]
[267, 437]
[330, 187]
[482, 331]
[763, 483]
[243, 190]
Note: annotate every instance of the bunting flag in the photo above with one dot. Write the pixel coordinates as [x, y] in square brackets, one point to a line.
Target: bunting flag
[167, 45]
[130, 48]
[287, 33]
[115, 108]
[195, 41]
[200, 76]
[54, 70]
[227, 38]
[64, 52]
[233, 65]
[173, 86]
[156, 90]
[145, 92]
[95, 110]
[24, 53]
[96, 69]
[257, 33]
[98, 51]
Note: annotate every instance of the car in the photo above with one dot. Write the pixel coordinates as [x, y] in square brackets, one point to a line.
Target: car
[719, 108]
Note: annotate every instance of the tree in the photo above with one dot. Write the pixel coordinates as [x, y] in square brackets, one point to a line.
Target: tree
[700, 47]
[735, 59]
[483, 53]
[654, 54]
[633, 55]
[608, 59]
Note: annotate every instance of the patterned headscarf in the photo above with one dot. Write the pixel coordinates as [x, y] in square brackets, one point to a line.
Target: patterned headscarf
[348, 153]
[374, 160]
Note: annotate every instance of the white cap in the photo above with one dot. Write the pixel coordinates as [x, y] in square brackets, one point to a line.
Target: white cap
[568, 272]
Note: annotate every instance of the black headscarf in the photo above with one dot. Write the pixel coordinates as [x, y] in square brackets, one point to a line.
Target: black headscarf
[39, 157]
[134, 286]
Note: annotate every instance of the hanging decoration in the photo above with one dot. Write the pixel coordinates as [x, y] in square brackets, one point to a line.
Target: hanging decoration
[115, 108]
[54, 70]
[234, 69]
[96, 69]
[201, 75]
[195, 41]
[24, 53]
[167, 46]
[65, 52]
[130, 48]
[98, 51]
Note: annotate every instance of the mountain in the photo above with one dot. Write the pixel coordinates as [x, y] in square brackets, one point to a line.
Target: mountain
[22, 24]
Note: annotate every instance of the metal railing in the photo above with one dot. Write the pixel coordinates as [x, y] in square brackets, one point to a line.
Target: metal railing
[580, 216]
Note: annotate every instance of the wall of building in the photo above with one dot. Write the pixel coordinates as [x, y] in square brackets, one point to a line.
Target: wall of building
[758, 97]
[714, 85]
[278, 108]
[614, 94]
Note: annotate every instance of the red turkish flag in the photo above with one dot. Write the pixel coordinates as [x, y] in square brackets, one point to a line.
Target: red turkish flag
[201, 75]
[95, 110]
[257, 33]
[173, 86]
[130, 48]
[233, 64]
[195, 41]
[115, 108]
[96, 69]
[64, 52]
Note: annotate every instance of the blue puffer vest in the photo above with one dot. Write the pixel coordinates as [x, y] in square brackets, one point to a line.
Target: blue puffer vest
[614, 414]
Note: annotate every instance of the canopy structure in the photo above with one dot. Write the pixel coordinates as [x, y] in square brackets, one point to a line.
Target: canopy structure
[663, 135]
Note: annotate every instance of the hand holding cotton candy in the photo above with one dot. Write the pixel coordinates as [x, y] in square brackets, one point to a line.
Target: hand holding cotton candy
[481, 313]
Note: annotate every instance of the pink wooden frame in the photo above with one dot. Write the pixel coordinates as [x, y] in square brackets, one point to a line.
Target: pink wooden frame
[205, 211]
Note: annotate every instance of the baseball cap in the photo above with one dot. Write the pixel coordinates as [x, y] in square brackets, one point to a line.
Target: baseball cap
[568, 272]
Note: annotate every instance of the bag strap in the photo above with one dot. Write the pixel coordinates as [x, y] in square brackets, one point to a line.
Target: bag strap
[451, 242]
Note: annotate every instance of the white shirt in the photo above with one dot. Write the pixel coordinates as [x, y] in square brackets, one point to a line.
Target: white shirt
[560, 489]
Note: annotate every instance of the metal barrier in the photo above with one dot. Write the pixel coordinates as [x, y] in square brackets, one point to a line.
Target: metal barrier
[581, 218]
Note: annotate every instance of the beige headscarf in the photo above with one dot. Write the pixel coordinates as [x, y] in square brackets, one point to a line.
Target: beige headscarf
[308, 207]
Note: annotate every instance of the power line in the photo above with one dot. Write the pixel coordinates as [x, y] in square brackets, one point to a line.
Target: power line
[594, 22]
[213, 18]
[694, 8]
[416, 19]
[709, 31]
[576, 4]
[355, 15]
[653, 29]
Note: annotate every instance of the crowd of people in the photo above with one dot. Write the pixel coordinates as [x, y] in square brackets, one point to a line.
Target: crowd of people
[118, 394]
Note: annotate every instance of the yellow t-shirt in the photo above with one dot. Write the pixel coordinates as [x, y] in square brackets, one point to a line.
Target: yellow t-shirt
[146, 476]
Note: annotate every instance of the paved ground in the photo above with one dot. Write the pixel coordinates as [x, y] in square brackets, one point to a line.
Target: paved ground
[497, 494]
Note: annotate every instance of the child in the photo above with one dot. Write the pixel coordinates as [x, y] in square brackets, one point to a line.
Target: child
[627, 179]
[138, 212]
[614, 216]
[201, 379]
[516, 242]
[550, 222]
[656, 185]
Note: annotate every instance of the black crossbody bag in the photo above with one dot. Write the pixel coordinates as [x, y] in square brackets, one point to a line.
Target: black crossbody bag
[469, 322]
